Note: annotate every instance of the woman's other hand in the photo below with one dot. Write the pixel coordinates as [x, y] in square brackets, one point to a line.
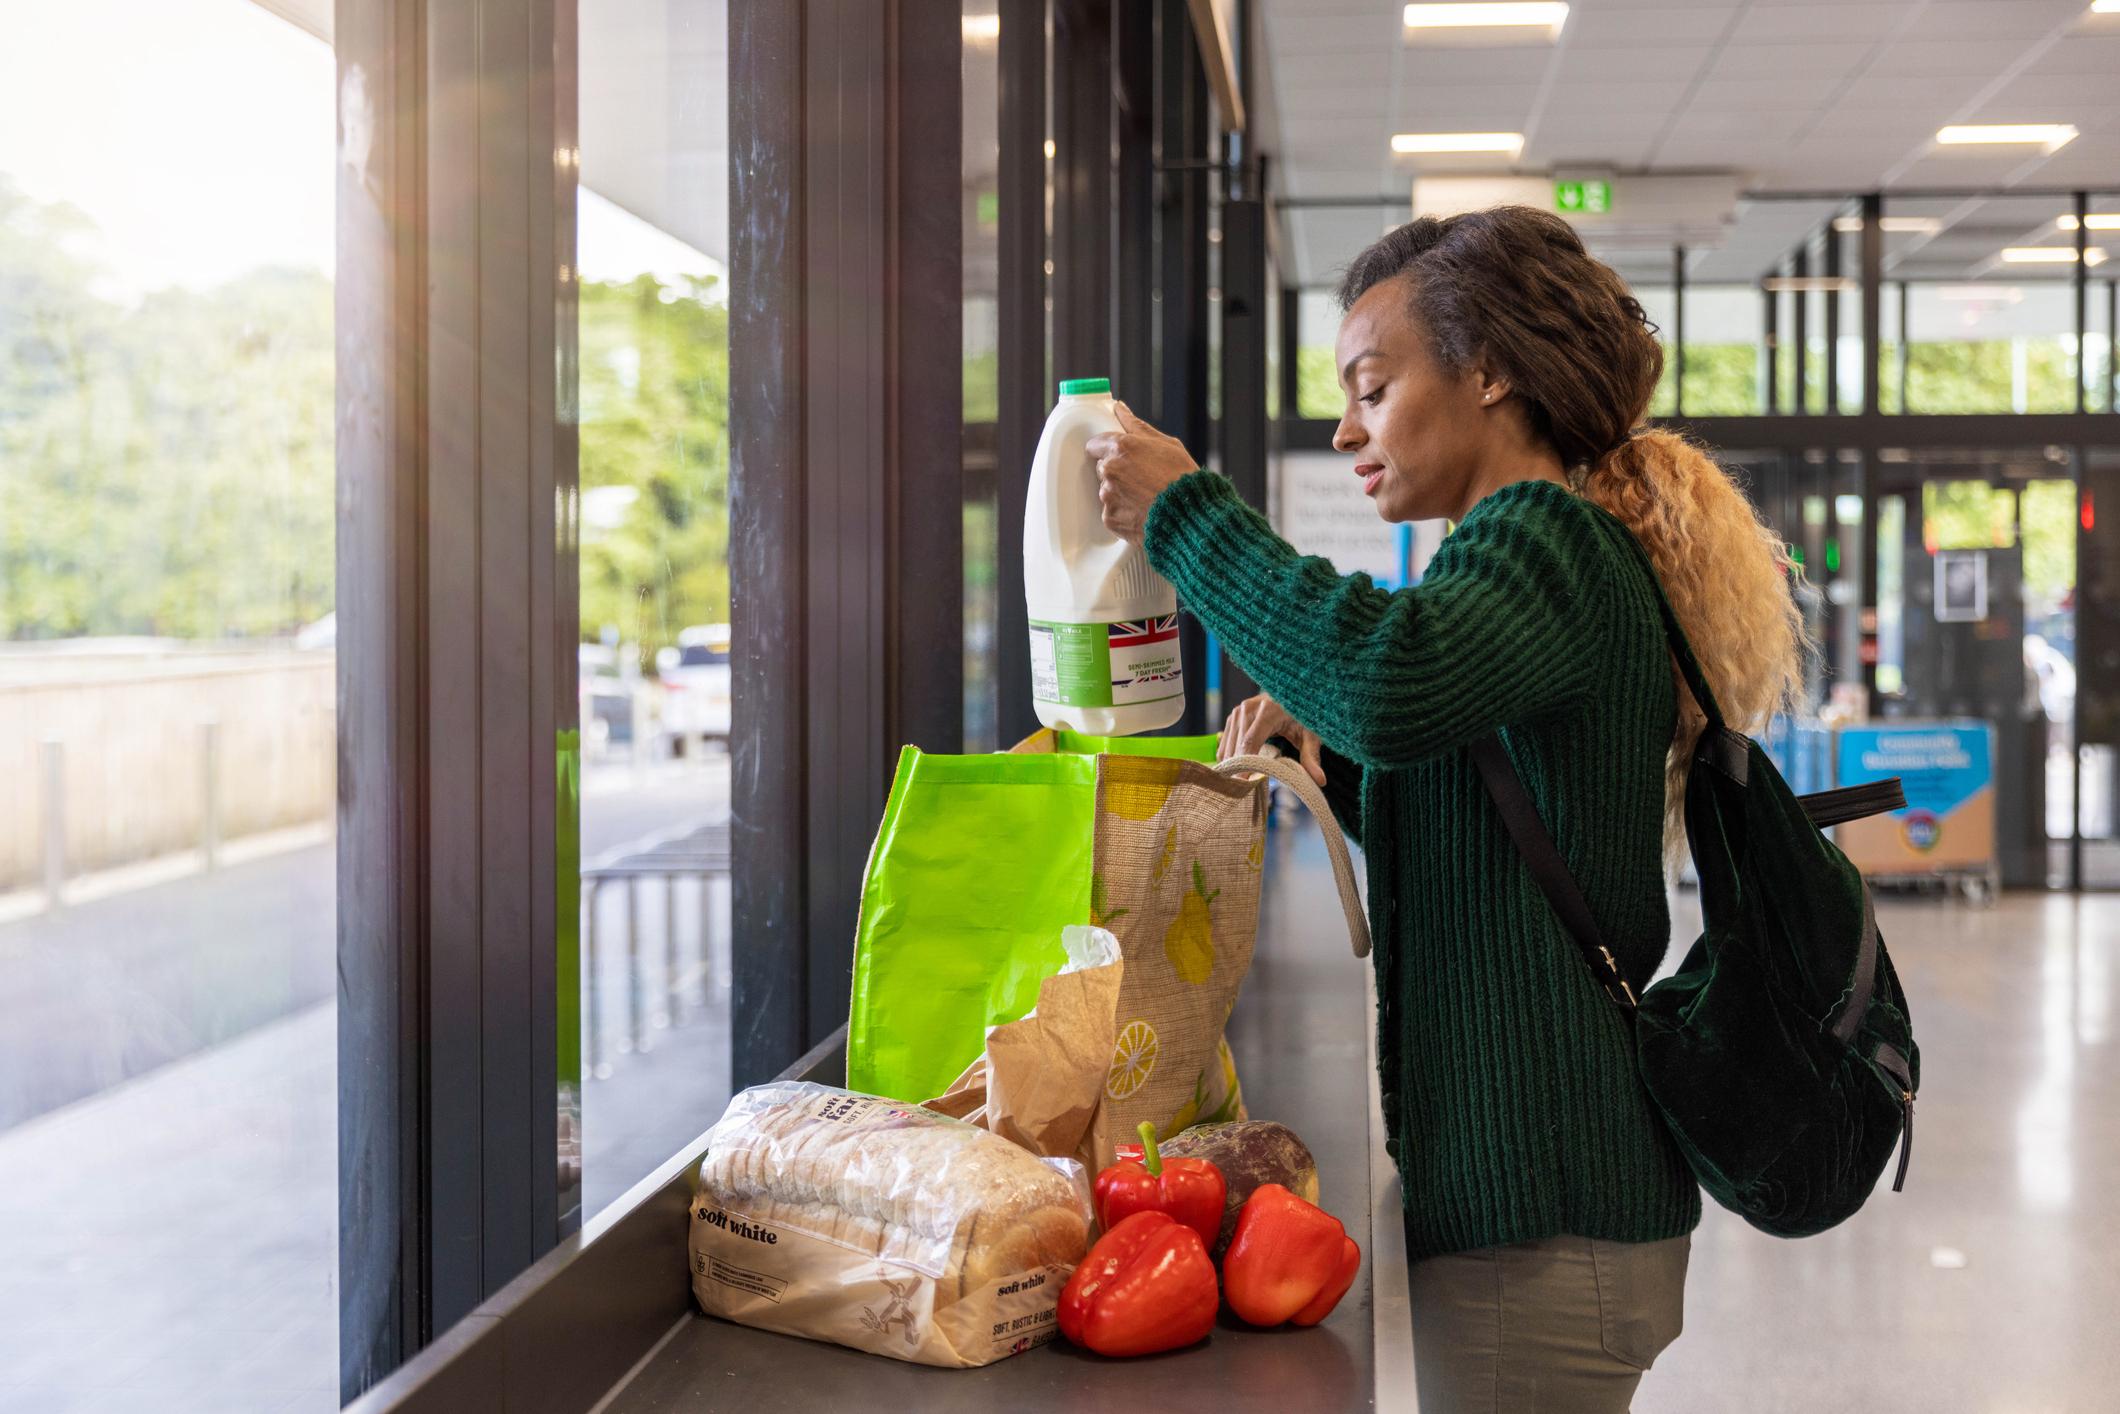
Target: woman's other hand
[1134, 464]
[1258, 718]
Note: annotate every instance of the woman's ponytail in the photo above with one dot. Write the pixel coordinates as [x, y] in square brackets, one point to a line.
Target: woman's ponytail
[1726, 576]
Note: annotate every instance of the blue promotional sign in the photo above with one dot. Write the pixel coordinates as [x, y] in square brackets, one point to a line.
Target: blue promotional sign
[1947, 769]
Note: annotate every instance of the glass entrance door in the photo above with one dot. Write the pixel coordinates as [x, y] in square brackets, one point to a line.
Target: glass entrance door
[1977, 614]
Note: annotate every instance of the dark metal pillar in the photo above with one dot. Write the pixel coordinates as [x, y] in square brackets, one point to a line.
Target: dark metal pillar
[2112, 345]
[846, 436]
[1134, 133]
[1678, 331]
[1244, 430]
[1024, 394]
[1870, 258]
[1291, 351]
[2082, 292]
[456, 668]
[1083, 217]
[1829, 395]
[1182, 192]
[1770, 351]
[1906, 343]
[1800, 268]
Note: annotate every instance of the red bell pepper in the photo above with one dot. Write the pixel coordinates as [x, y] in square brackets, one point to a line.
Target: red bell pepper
[1288, 1260]
[1147, 1285]
[1190, 1190]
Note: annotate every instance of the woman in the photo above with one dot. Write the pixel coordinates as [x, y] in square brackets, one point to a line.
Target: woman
[1495, 373]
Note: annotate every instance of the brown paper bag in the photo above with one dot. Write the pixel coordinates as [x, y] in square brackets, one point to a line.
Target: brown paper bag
[1040, 1079]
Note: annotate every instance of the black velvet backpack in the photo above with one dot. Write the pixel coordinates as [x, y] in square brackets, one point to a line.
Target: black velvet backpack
[1780, 1054]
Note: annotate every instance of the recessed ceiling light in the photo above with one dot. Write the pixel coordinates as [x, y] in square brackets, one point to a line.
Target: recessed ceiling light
[1406, 143]
[2050, 255]
[1896, 225]
[2097, 220]
[982, 28]
[1487, 16]
[2047, 135]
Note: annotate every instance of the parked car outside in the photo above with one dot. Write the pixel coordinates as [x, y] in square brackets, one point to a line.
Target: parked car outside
[606, 701]
[695, 681]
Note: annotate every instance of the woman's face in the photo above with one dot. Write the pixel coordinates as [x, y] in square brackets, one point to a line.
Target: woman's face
[1417, 430]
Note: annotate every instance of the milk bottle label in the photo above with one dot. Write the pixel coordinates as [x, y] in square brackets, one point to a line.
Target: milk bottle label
[1106, 665]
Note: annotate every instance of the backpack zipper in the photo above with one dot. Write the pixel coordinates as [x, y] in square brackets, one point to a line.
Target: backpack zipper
[1887, 1056]
[1906, 1139]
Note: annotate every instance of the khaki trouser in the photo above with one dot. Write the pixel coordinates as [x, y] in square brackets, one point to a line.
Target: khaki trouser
[1568, 1324]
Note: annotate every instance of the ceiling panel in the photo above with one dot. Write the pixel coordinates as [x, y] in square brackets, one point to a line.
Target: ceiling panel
[1802, 92]
[1332, 34]
[1761, 24]
[1917, 55]
[1928, 99]
[1998, 20]
[1603, 27]
[2039, 91]
[1605, 93]
[1522, 64]
[1327, 240]
[1770, 61]
[2096, 52]
[1794, 95]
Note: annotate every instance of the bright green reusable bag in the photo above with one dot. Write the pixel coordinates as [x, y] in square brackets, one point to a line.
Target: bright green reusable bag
[1184, 748]
[978, 865]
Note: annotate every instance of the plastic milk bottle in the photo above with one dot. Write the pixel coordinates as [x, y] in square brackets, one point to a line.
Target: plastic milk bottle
[1104, 626]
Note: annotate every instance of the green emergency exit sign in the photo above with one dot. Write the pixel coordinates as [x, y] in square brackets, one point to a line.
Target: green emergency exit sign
[1583, 198]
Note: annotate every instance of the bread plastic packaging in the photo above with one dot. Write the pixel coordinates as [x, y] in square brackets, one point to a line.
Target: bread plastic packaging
[881, 1226]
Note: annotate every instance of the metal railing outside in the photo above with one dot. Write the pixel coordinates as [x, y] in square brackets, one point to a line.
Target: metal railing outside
[689, 871]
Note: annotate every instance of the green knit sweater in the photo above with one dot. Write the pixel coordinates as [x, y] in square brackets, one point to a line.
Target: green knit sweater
[1509, 1086]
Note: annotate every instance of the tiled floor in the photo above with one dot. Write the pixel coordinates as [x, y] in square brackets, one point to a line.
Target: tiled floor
[1992, 1283]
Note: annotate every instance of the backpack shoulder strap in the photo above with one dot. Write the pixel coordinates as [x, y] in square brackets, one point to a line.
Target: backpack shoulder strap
[1543, 858]
[1681, 650]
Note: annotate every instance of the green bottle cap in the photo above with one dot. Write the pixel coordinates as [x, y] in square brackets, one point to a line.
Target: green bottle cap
[1071, 386]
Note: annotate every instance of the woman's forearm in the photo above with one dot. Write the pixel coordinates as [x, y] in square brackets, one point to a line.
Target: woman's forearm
[1385, 678]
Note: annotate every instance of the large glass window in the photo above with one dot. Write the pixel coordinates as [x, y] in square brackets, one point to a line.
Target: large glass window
[1991, 345]
[656, 644]
[1724, 338]
[168, 1096]
[1318, 391]
[1662, 311]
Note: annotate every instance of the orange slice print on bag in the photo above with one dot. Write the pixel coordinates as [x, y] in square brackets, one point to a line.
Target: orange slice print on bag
[1133, 1060]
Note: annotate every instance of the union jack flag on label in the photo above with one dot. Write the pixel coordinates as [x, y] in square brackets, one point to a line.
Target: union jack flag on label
[1145, 662]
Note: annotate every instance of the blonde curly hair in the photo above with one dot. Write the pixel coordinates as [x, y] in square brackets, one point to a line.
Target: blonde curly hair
[1728, 579]
[1514, 288]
